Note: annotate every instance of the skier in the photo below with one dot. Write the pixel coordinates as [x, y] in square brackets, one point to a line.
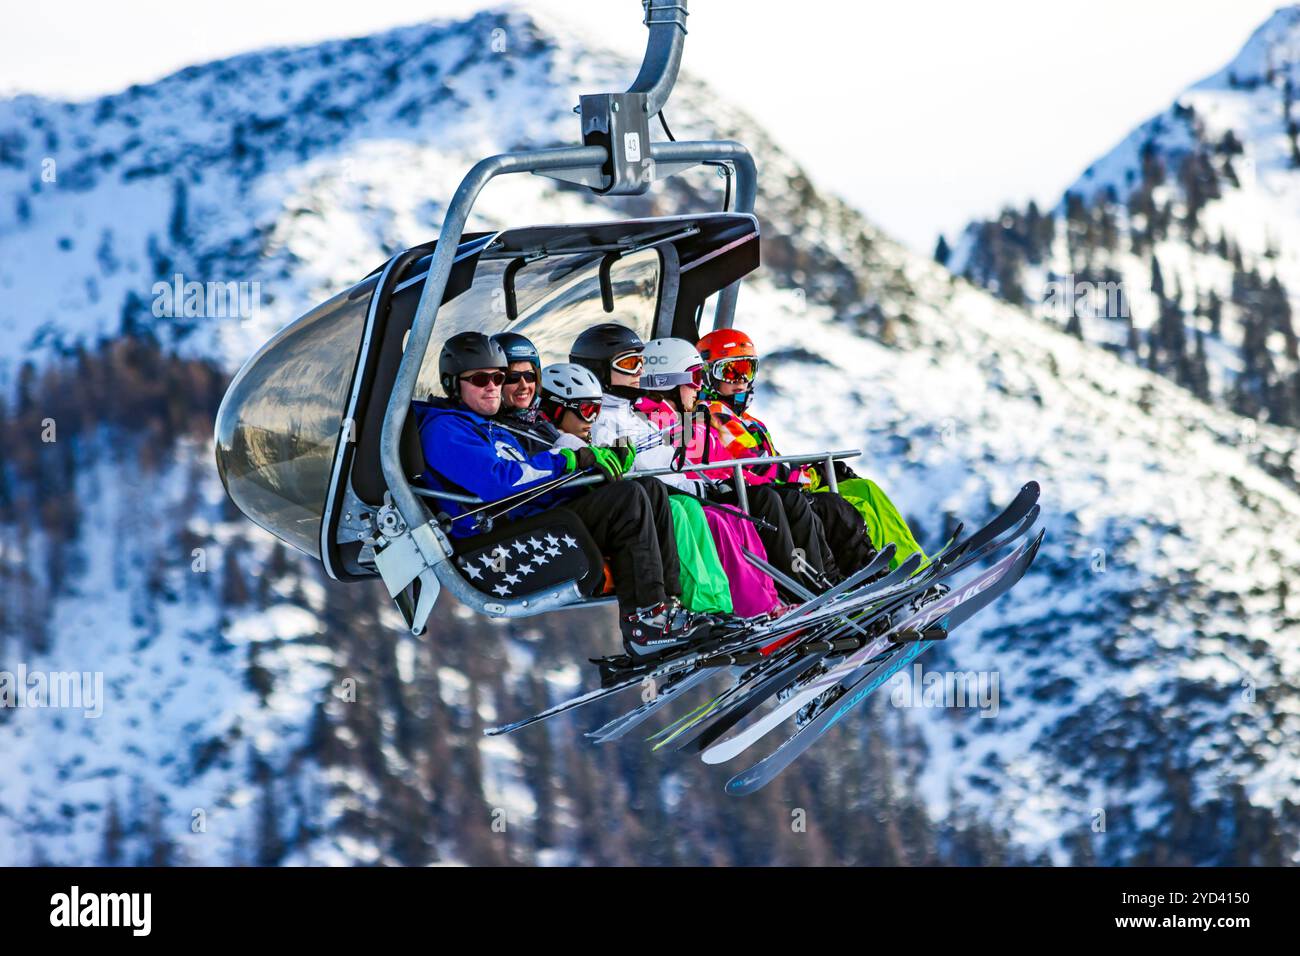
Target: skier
[521, 393]
[855, 527]
[466, 451]
[794, 539]
[571, 399]
[672, 380]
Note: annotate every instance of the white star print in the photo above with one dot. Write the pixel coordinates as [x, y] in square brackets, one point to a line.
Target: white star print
[512, 579]
[551, 540]
[540, 559]
[501, 589]
[473, 572]
[487, 560]
[535, 543]
[521, 547]
[525, 569]
[553, 552]
[569, 542]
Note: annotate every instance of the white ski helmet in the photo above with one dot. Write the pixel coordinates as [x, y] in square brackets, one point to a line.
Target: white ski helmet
[569, 387]
[669, 363]
[571, 382]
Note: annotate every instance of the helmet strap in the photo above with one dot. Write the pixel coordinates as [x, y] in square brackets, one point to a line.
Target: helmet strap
[630, 392]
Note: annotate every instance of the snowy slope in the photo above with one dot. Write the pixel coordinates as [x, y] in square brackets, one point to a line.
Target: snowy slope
[1121, 657]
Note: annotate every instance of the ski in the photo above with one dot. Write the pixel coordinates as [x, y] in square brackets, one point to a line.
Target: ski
[947, 613]
[660, 696]
[766, 632]
[779, 659]
[619, 726]
[745, 704]
[852, 591]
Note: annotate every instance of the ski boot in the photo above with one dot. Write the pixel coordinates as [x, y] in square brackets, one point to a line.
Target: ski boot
[653, 632]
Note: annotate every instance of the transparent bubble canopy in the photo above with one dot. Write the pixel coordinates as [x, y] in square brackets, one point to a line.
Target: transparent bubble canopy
[279, 423]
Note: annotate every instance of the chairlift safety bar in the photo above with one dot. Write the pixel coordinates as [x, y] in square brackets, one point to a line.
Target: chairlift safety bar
[735, 465]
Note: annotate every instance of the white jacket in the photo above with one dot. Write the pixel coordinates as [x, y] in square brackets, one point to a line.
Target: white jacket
[618, 420]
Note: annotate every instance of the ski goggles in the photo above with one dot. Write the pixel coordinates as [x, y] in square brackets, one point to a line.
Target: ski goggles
[586, 409]
[734, 371]
[484, 379]
[661, 381]
[629, 363]
[514, 378]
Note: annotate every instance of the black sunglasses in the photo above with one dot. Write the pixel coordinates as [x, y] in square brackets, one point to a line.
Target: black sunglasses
[481, 379]
[514, 378]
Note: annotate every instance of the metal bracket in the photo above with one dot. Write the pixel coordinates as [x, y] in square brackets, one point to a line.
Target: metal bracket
[404, 564]
[619, 123]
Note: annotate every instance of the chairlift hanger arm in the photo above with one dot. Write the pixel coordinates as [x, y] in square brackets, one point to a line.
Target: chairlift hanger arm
[666, 23]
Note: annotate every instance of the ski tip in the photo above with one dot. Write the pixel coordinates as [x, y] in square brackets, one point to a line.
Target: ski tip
[1031, 518]
[745, 783]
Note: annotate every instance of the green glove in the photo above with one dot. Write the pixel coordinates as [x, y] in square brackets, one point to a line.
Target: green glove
[626, 456]
[608, 461]
[602, 459]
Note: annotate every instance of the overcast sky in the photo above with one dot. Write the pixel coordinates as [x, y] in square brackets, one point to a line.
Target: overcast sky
[924, 113]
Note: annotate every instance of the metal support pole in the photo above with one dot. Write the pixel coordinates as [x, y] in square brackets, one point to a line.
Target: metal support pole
[435, 286]
[746, 195]
[742, 494]
[831, 482]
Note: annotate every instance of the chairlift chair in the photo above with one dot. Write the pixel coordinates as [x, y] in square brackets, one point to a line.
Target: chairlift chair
[313, 438]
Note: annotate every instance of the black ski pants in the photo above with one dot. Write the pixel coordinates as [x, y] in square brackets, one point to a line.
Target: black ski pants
[795, 544]
[662, 513]
[620, 519]
[843, 529]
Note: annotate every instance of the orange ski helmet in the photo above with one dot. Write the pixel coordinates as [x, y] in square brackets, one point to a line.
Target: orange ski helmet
[729, 356]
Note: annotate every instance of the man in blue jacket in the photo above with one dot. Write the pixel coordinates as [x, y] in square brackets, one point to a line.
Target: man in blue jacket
[465, 451]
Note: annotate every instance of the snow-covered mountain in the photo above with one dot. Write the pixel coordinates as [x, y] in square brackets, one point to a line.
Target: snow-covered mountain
[253, 712]
[1180, 248]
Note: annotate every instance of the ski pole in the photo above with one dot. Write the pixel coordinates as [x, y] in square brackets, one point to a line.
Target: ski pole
[531, 493]
[752, 519]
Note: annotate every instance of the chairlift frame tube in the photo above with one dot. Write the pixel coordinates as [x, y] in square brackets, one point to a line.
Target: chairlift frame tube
[484, 171]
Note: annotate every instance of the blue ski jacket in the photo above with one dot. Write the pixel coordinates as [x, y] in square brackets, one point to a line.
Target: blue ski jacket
[467, 453]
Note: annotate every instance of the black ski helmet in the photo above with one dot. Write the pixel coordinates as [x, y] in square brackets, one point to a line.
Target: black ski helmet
[595, 348]
[464, 352]
[519, 348]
